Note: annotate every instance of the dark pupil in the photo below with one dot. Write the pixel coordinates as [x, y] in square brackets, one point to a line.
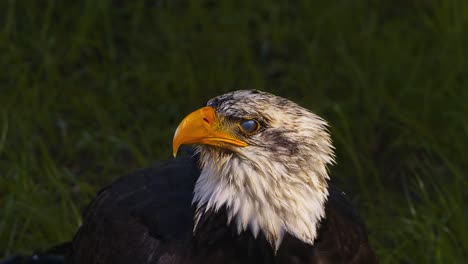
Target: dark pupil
[249, 126]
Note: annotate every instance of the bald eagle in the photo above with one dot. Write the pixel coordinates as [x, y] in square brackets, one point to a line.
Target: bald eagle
[255, 190]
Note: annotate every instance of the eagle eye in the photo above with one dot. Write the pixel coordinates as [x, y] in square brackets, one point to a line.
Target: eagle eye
[249, 126]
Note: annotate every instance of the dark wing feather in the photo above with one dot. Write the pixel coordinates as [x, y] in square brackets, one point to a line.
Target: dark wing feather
[343, 236]
[140, 217]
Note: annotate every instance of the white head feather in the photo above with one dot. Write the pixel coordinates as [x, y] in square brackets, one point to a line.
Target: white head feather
[276, 184]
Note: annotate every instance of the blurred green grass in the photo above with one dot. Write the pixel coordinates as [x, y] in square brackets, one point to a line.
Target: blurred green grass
[92, 90]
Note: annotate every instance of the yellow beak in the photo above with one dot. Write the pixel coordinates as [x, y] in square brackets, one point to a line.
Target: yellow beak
[202, 127]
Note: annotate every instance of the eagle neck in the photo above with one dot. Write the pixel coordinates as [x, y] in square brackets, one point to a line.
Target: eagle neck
[259, 200]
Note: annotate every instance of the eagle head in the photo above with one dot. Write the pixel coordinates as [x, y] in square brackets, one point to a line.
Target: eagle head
[264, 159]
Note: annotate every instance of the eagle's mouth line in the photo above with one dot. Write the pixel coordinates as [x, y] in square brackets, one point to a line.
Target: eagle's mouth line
[217, 140]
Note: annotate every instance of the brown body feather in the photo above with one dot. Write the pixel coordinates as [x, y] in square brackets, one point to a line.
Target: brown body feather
[147, 217]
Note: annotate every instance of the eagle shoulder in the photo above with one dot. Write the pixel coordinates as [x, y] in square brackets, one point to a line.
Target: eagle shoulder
[342, 236]
[138, 218]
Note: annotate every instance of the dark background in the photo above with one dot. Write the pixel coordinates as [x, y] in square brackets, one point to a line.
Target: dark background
[91, 90]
